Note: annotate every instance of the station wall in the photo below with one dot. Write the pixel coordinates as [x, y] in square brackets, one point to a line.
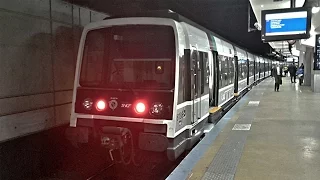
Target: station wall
[38, 49]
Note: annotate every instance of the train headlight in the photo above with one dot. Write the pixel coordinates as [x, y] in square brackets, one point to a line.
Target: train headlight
[101, 105]
[140, 107]
[87, 104]
[156, 108]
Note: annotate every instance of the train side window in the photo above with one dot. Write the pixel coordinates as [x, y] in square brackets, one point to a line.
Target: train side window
[251, 68]
[244, 69]
[201, 68]
[204, 64]
[260, 67]
[231, 70]
[239, 68]
[265, 67]
[194, 70]
[224, 71]
[93, 58]
[226, 67]
[227, 70]
[207, 68]
[220, 59]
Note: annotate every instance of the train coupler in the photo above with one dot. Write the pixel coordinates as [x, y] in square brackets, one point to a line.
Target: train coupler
[114, 137]
[119, 144]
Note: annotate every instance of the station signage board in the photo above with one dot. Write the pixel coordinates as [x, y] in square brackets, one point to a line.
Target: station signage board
[285, 24]
[317, 53]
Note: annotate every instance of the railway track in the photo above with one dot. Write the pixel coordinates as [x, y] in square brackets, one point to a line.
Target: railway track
[96, 176]
[155, 169]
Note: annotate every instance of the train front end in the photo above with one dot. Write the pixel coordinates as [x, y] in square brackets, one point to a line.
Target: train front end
[125, 84]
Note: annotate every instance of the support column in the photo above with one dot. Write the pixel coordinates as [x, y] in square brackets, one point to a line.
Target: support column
[315, 77]
[308, 66]
[301, 58]
[315, 85]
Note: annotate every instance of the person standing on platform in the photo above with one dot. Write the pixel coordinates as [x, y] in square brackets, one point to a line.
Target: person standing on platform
[277, 74]
[302, 66]
[300, 74]
[293, 71]
[285, 70]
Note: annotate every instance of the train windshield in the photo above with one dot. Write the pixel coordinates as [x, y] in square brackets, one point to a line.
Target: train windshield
[131, 56]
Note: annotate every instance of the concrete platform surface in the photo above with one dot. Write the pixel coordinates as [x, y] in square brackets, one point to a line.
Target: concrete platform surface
[270, 135]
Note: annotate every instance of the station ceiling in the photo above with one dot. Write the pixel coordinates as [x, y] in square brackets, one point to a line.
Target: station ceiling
[228, 18]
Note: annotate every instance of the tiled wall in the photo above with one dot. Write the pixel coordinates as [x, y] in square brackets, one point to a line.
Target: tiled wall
[38, 48]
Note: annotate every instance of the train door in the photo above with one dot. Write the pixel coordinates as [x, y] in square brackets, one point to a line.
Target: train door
[248, 71]
[264, 69]
[259, 70]
[236, 74]
[195, 84]
[215, 78]
[254, 70]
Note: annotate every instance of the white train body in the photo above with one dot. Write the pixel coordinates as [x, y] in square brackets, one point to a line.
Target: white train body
[159, 77]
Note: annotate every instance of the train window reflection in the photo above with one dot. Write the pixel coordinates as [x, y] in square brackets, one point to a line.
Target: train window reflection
[251, 68]
[231, 70]
[131, 56]
[92, 65]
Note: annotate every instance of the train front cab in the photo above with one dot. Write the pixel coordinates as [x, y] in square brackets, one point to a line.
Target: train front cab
[150, 95]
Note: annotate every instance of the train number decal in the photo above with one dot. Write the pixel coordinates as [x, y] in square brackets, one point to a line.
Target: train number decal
[125, 105]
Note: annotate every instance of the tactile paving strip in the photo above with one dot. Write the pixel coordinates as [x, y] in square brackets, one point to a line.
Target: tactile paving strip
[218, 176]
[225, 162]
[184, 169]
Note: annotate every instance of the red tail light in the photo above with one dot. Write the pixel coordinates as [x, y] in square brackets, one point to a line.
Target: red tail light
[101, 105]
[140, 107]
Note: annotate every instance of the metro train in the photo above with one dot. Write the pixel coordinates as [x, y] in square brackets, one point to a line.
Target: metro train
[151, 82]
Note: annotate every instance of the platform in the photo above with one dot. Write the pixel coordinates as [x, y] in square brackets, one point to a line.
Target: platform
[266, 135]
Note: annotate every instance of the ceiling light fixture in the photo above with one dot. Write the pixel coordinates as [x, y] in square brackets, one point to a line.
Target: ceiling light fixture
[262, 5]
[312, 31]
[315, 10]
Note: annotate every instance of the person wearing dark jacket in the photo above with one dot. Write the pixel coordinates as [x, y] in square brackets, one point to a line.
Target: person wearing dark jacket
[300, 74]
[277, 74]
[293, 71]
